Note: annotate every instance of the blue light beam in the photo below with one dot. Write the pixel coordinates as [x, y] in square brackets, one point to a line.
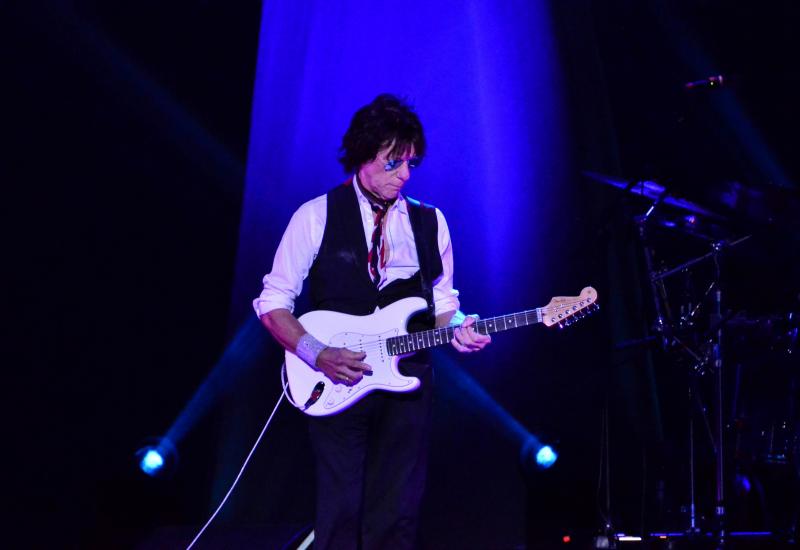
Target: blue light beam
[458, 381]
[244, 351]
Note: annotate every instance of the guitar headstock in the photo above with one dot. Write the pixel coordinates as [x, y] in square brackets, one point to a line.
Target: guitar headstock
[565, 310]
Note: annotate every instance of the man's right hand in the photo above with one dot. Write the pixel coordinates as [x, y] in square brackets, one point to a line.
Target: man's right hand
[342, 365]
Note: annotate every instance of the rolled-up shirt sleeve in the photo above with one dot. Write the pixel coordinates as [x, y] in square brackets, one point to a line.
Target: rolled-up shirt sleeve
[293, 259]
[445, 297]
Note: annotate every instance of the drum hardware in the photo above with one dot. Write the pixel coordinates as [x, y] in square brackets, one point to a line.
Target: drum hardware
[655, 191]
[707, 360]
[690, 330]
[701, 348]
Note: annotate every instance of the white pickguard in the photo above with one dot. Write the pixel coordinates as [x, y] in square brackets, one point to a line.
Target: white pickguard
[367, 333]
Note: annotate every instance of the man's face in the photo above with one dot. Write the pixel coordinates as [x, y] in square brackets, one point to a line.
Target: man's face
[383, 183]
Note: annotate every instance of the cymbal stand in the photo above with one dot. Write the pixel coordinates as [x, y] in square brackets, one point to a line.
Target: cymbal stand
[716, 322]
[663, 326]
[716, 354]
[662, 323]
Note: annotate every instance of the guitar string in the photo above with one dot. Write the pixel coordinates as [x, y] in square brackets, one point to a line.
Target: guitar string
[374, 345]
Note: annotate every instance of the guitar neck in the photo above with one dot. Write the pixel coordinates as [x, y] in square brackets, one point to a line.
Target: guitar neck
[407, 343]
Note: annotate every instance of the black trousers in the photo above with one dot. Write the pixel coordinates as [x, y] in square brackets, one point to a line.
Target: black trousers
[371, 462]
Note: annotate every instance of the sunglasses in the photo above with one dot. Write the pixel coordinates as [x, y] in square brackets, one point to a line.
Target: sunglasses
[394, 164]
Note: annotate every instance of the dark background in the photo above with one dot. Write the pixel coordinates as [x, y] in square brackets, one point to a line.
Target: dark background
[127, 129]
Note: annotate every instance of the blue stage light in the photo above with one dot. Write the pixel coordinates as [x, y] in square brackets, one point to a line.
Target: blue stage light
[158, 457]
[535, 456]
[546, 457]
[151, 462]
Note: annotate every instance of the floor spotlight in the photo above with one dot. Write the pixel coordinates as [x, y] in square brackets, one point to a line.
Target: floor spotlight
[546, 457]
[151, 462]
[157, 458]
[535, 455]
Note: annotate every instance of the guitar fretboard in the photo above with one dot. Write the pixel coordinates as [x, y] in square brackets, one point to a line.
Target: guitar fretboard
[407, 343]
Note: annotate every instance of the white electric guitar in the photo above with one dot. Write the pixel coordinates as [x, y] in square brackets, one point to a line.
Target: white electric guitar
[382, 335]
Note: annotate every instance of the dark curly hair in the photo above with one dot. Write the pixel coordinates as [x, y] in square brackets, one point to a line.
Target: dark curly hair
[387, 120]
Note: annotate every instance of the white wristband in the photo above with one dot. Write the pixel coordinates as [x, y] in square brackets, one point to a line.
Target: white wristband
[308, 348]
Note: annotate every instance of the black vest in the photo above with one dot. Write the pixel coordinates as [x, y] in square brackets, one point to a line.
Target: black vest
[339, 279]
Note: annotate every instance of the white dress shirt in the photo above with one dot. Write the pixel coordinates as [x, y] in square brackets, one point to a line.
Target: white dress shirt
[301, 241]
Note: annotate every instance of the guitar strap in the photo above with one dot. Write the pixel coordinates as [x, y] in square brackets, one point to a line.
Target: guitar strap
[426, 229]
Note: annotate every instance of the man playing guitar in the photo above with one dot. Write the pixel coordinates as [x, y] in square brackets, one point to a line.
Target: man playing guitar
[364, 246]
